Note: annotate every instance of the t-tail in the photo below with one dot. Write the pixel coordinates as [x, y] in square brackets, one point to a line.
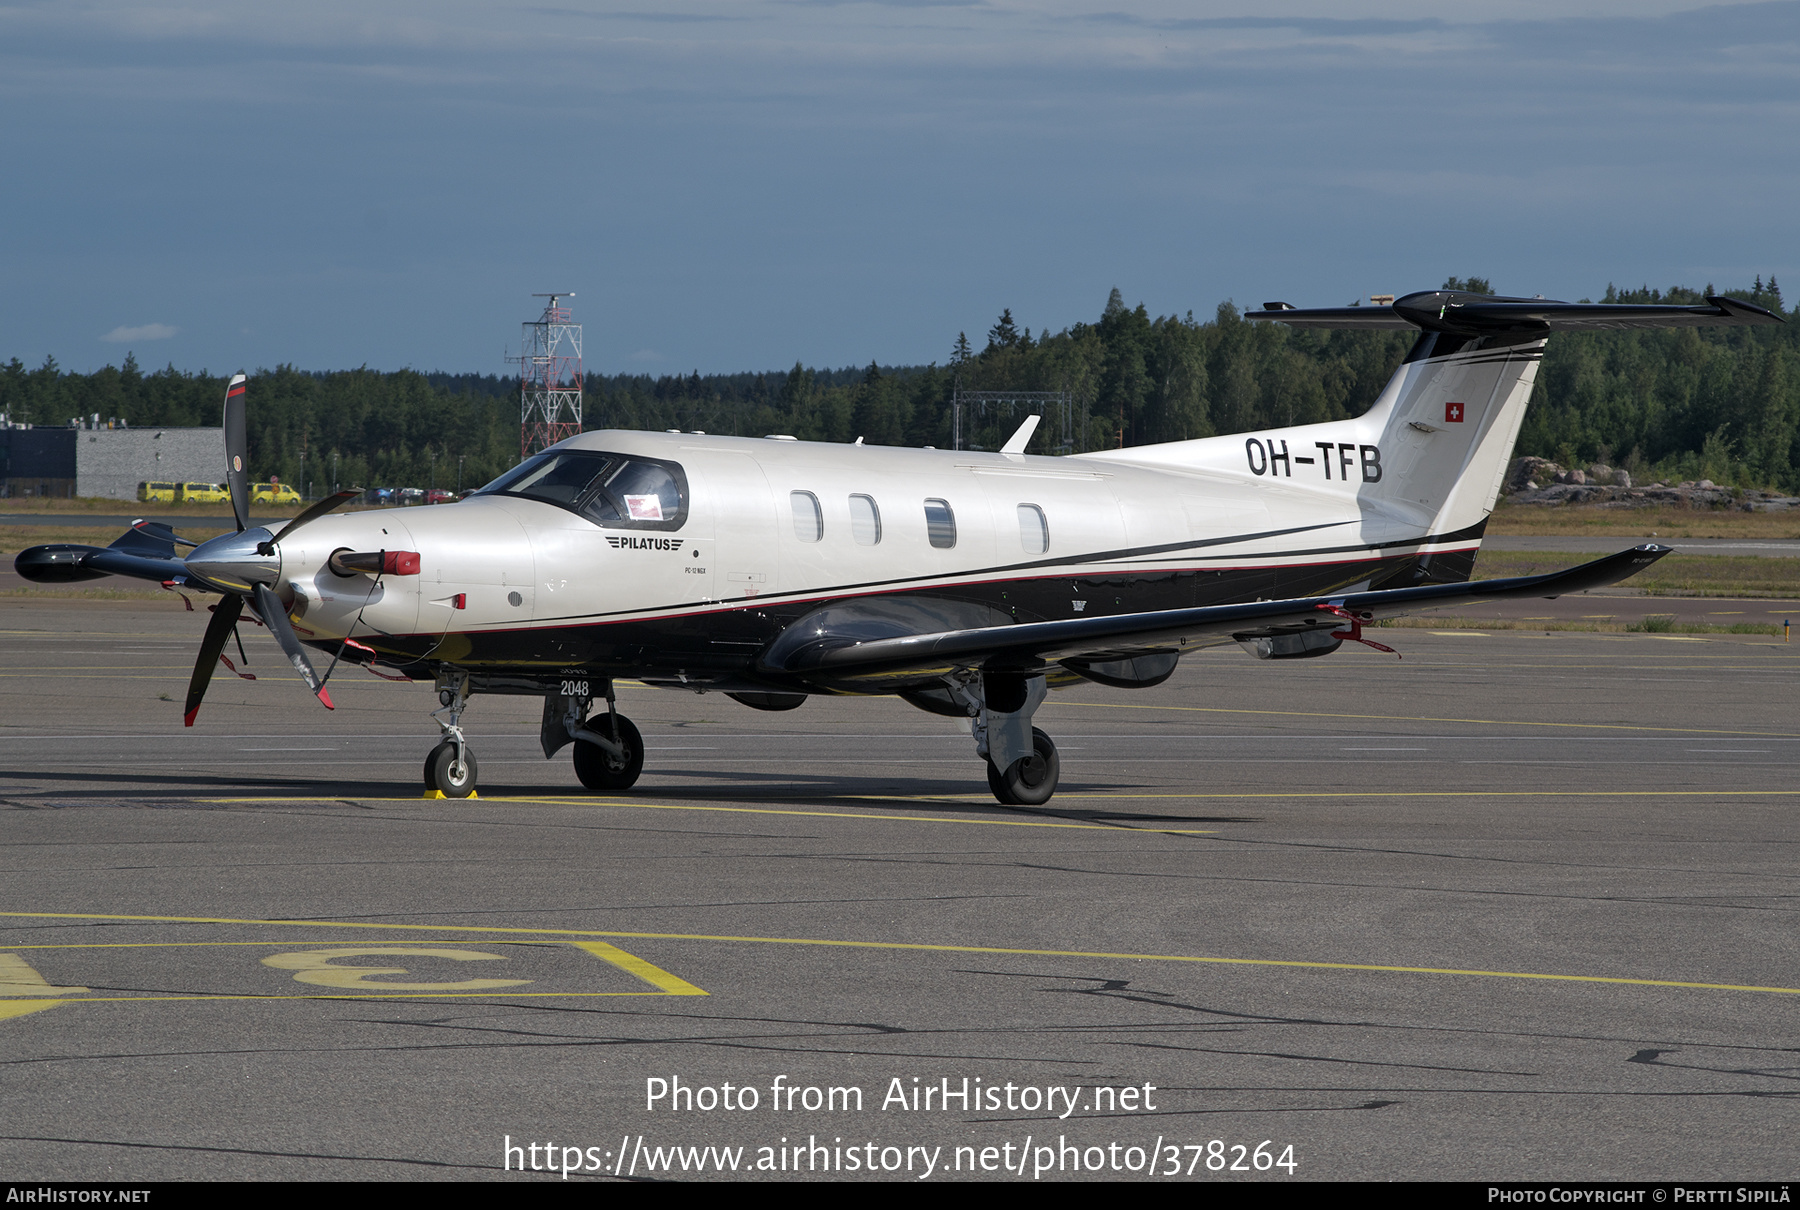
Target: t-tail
[1425, 463]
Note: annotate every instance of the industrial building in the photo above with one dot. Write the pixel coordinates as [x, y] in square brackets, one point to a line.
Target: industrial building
[105, 462]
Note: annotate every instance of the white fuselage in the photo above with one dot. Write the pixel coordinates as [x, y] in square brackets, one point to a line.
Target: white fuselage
[500, 563]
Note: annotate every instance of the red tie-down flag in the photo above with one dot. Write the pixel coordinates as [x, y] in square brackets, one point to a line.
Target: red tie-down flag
[1453, 413]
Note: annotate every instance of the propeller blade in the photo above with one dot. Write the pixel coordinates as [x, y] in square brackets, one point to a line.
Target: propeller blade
[224, 621]
[337, 500]
[276, 619]
[237, 452]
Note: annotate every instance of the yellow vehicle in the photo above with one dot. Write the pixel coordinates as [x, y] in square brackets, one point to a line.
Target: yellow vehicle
[156, 493]
[273, 493]
[202, 493]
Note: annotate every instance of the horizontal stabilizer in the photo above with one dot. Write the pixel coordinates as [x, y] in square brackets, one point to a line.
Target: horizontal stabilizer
[1489, 315]
[150, 538]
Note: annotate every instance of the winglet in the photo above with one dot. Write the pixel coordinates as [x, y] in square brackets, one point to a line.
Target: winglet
[1016, 443]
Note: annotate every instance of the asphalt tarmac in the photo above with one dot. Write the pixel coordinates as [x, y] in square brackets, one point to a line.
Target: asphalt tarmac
[1515, 906]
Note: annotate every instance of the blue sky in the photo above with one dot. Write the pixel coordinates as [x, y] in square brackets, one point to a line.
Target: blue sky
[741, 185]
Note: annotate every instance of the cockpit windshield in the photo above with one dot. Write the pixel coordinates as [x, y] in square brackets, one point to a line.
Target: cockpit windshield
[611, 490]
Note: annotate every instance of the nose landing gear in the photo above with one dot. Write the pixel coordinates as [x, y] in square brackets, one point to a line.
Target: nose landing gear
[450, 768]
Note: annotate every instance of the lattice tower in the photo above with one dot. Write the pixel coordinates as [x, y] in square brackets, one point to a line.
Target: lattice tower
[550, 376]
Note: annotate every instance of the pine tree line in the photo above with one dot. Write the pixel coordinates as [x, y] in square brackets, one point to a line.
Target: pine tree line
[1719, 403]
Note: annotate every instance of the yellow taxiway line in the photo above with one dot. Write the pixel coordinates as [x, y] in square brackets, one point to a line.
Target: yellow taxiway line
[572, 801]
[924, 947]
[1408, 718]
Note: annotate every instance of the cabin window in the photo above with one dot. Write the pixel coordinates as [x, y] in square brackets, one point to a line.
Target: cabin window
[940, 524]
[865, 520]
[809, 522]
[1034, 530]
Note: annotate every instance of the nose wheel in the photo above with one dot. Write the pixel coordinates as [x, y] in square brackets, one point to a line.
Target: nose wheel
[1030, 780]
[450, 769]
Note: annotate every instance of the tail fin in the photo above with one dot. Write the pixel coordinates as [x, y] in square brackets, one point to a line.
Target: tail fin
[1444, 428]
[1427, 459]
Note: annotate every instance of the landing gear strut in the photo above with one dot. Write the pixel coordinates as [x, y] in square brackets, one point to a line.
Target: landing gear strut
[609, 752]
[1022, 764]
[450, 768]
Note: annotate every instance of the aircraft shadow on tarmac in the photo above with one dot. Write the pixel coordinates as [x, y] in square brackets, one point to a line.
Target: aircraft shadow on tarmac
[924, 795]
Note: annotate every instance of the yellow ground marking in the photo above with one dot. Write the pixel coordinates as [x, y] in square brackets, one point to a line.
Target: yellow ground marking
[655, 976]
[1461, 634]
[120, 676]
[948, 800]
[20, 668]
[1408, 718]
[18, 979]
[18, 1008]
[571, 801]
[922, 947]
[316, 966]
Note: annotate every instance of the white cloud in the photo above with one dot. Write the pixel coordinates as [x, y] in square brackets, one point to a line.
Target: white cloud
[144, 332]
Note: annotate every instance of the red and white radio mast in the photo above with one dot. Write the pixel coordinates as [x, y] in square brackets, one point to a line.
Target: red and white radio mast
[549, 377]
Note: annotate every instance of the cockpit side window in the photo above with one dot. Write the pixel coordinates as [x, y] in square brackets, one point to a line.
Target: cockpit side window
[612, 490]
[561, 478]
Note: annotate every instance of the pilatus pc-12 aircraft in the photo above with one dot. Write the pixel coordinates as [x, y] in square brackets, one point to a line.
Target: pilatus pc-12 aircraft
[966, 584]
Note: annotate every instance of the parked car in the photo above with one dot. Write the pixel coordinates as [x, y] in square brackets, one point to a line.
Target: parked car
[163, 493]
[379, 495]
[273, 493]
[202, 493]
[411, 495]
[439, 495]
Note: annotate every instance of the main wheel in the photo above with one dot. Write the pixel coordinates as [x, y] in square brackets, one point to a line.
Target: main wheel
[598, 769]
[444, 772]
[1032, 779]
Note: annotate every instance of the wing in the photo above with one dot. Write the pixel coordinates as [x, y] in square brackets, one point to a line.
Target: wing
[841, 661]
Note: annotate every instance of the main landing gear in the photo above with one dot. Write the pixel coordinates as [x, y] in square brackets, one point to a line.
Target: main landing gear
[614, 765]
[1022, 764]
[609, 752]
[1030, 780]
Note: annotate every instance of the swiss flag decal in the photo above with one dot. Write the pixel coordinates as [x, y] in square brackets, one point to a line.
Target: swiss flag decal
[1453, 413]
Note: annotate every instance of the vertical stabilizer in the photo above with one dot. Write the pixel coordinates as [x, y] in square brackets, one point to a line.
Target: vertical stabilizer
[1427, 459]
